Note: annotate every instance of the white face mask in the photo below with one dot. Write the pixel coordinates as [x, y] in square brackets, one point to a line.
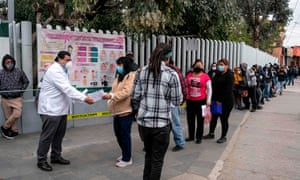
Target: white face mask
[214, 68]
[69, 66]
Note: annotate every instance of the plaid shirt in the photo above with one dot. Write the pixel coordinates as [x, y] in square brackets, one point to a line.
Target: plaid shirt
[155, 101]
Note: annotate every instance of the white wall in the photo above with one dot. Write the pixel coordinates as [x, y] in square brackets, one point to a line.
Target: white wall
[4, 41]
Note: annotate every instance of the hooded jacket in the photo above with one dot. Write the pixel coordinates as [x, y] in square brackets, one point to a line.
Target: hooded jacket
[13, 82]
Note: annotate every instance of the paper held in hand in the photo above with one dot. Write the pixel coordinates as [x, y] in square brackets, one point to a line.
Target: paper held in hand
[97, 95]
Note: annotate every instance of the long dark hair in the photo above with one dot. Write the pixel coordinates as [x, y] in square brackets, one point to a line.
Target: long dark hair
[158, 55]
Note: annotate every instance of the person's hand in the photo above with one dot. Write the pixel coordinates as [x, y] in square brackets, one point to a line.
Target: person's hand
[208, 104]
[106, 96]
[88, 100]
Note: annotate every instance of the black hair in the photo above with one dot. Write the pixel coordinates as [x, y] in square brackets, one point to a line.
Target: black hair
[126, 65]
[61, 55]
[156, 57]
[7, 56]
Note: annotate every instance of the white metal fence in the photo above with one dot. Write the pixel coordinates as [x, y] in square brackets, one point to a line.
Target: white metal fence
[186, 50]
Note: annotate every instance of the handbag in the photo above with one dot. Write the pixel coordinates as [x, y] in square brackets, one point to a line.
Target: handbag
[216, 108]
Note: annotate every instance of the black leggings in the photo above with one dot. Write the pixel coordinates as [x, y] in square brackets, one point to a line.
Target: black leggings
[224, 119]
[194, 111]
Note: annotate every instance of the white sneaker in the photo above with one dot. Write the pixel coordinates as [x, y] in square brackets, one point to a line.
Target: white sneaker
[119, 158]
[124, 163]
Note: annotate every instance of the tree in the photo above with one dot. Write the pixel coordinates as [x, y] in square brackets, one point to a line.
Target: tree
[209, 19]
[264, 19]
[153, 16]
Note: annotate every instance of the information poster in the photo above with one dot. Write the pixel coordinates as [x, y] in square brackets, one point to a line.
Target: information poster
[93, 55]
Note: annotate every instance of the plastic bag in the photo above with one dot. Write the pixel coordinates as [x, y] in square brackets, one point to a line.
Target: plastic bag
[206, 113]
[216, 108]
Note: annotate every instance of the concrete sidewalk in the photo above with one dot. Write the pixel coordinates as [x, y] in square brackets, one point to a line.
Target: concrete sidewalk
[267, 145]
[93, 150]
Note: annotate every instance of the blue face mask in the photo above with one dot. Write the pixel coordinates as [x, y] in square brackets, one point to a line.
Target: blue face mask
[220, 68]
[120, 69]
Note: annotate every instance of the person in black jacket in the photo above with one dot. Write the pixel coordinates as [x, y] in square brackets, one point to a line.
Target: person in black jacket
[13, 82]
[222, 85]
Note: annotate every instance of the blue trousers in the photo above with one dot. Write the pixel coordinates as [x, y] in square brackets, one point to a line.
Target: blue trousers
[177, 127]
[122, 129]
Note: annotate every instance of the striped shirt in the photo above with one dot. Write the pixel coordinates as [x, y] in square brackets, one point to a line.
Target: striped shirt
[155, 100]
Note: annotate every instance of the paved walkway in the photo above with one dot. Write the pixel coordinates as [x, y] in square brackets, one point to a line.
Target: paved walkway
[268, 143]
[262, 145]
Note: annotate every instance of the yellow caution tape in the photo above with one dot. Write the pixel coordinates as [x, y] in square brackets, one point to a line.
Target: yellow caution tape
[72, 117]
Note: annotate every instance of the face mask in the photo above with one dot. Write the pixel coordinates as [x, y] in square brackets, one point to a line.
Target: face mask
[220, 68]
[9, 66]
[239, 72]
[68, 65]
[197, 69]
[120, 69]
[214, 68]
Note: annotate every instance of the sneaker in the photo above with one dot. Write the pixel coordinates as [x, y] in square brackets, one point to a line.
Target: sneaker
[177, 148]
[122, 163]
[119, 158]
[209, 136]
[7, 133]
[222, 140]
[14, 133]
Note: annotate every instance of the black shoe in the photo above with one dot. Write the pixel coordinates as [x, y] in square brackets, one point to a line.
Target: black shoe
[198, 141]
[44, 166]
[252, 110]
[177, 148]
[60, 160]
[14, 133]
[7, 133]
[209, 136]
[189, 139]
[222, 140]
[259, 107]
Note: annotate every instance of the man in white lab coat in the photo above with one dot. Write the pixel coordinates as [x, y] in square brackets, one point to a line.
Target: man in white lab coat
[53, 108]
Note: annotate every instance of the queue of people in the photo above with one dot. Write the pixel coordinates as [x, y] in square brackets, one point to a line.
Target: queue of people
[253, 85]
[159, 88]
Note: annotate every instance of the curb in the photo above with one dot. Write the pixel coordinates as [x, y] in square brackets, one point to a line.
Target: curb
[216, 171]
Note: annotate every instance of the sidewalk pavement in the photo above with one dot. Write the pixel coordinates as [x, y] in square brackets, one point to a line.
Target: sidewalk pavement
[260, 146]
[267, 144]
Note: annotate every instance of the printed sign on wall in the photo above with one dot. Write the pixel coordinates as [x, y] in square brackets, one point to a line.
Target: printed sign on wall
[93, 55]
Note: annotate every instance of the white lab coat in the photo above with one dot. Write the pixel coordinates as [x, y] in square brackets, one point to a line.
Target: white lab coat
[56, 91]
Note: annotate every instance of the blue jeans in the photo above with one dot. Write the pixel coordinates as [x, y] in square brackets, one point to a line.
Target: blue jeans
[267, 90]
[291, 80]
[280, 86]
[176, 127]
[122, 129]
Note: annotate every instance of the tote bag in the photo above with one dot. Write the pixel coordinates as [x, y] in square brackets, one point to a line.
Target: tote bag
[216, 108]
